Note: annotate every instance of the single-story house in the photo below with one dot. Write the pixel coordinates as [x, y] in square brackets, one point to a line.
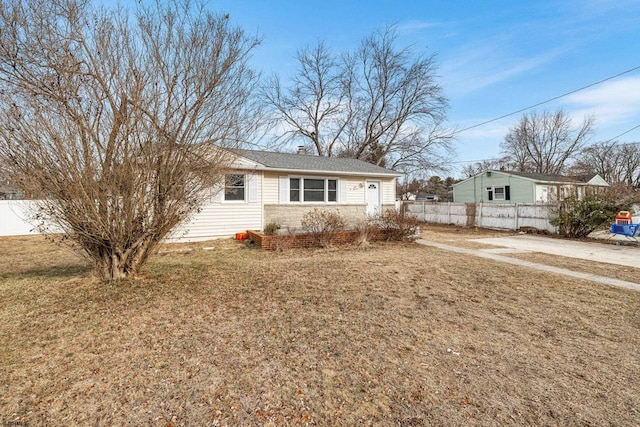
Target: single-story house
[267, 187]
[495, 186]
[9, 192]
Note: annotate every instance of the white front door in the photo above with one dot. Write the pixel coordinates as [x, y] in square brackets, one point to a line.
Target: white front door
[373, 198]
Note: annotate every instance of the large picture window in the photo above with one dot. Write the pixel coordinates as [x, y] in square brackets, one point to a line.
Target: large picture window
[313, 190]
[234, 187]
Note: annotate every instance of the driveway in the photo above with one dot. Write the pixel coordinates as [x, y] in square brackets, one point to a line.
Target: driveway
[620, 255]
[600, 252]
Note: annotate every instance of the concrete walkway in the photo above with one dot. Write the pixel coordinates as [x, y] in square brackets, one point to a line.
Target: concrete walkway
[536, 266]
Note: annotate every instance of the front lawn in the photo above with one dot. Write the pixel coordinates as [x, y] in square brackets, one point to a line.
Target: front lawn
[390, 334]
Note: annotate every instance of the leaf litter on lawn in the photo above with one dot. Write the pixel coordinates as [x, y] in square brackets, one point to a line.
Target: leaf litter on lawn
[392, 334]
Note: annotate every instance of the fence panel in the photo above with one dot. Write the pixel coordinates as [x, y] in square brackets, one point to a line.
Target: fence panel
[495, 216]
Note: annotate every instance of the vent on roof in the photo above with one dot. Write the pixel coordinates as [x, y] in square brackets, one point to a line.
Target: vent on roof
[301, 149]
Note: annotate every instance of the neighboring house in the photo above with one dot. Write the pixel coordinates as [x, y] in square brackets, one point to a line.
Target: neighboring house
[267, 187]
[426, 197]
[9, 192]
[521, 187]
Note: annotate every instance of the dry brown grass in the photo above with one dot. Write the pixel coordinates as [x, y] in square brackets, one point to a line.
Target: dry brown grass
[463, 237]
[396, 334]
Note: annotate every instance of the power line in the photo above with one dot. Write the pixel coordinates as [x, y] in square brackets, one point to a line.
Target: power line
[553, 99]
[624, 133]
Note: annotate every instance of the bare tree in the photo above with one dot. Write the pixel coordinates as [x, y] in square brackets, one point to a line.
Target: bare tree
[544, 143]
[379, 104]
[617, 163]
[472, 169]
[314, 109]
[120, 122]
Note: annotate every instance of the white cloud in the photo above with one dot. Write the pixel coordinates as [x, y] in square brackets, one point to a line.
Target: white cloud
[612, 102]
[487, 63]
[415, 26]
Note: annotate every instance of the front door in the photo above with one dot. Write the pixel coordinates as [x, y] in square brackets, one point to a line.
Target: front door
[373, 198]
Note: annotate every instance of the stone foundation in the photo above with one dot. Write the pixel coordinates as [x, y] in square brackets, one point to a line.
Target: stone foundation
[290, 216]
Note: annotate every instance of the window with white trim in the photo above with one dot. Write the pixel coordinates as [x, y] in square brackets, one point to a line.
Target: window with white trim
[498, 193]
[310, 190]
[234, 187]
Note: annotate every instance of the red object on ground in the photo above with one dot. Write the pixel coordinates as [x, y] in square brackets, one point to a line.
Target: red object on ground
[623, 217]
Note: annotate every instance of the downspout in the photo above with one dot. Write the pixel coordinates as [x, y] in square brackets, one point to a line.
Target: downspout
[261, 197]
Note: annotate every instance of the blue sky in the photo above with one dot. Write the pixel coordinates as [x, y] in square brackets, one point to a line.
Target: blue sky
[495, 57]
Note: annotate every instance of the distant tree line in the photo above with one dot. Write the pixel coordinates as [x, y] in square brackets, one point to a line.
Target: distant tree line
[550, 143]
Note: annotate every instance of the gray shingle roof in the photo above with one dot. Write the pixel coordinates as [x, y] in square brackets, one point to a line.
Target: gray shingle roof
[551, 177]
[309, 163]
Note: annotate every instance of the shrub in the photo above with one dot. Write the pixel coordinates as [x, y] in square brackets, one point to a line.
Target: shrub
[395, 226]
[323, 225]
[578, 218]
[365, 231]
[270, 229]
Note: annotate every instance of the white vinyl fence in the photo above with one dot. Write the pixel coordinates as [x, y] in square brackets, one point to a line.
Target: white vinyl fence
[14, 215]
[494, 216]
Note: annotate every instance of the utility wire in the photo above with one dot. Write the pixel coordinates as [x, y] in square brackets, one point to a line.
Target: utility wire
[605, 142]
[553, 99]
[624, 133]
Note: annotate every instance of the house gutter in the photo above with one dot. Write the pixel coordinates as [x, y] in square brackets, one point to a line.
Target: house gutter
[334, 172]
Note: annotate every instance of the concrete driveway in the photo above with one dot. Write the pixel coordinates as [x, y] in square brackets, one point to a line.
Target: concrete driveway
[610, 253]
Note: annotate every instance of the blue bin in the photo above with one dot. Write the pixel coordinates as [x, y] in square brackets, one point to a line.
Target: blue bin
[625, 229]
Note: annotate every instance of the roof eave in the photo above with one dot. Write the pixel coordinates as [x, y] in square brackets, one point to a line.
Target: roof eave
[326, 172]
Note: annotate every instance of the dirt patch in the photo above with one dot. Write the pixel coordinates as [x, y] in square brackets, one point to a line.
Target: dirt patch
[394, 334]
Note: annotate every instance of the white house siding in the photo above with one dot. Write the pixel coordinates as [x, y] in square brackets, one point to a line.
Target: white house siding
[389, 191]
[353, 207]
[218, 218]
[270, 192]
[355, 191]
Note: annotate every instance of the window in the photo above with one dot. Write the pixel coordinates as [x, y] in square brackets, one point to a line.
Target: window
[498, 193]
[234, 187]
[294, 189]
[332, 192]
[313, 190]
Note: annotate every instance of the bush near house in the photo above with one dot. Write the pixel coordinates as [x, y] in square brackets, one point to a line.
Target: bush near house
[323, 225]
[328, 228]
